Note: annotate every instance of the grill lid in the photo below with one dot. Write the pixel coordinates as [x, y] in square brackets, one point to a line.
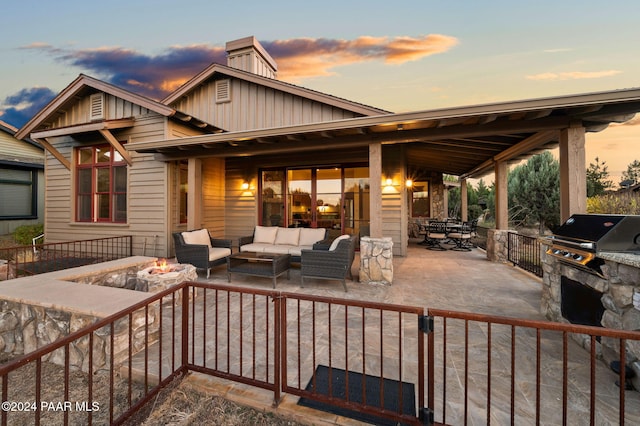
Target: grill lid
[616, 233]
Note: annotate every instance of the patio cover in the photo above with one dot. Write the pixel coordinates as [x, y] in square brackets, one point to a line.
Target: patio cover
[463, 141]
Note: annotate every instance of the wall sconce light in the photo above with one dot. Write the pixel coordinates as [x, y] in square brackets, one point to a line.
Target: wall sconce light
[409, 183]
[388, 182]
[245, 185]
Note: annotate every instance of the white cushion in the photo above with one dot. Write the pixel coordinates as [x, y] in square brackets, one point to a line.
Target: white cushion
[288, 236]
[310, 236]
[335, 242]
[256, 247]
[216, 253]
[201, 237]
[296, 251]
[279, 249]
[265, 234]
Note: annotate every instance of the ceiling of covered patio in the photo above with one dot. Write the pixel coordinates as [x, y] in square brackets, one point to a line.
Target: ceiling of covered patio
[463, 141]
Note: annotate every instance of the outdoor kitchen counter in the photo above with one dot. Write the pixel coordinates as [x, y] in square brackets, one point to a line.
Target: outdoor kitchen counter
[629, 259]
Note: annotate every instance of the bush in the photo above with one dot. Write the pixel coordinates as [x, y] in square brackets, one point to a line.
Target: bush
[25, 234]
[615, 203]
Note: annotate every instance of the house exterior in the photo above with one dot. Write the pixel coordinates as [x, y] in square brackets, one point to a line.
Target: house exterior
[21, 180]
[234, 147]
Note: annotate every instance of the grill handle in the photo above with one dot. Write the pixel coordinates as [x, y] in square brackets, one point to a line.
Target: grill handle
[586, 246]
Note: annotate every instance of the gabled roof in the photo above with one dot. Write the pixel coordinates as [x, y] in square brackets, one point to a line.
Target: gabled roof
[85, 83]
[214, 69]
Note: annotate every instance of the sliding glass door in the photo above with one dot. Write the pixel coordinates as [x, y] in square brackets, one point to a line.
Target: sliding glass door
[335, 198]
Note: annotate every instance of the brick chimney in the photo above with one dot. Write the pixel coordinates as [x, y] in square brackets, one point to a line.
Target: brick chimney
[247, 54]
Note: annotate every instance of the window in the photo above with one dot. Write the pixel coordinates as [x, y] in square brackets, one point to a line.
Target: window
[420, 204]
[18, 193]
[101, 186]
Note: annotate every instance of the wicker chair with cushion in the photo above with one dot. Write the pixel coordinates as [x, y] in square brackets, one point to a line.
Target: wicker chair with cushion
[332, 264]
[200, 250]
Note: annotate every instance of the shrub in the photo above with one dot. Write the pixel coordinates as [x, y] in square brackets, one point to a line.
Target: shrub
[24, 234]
[615, 203]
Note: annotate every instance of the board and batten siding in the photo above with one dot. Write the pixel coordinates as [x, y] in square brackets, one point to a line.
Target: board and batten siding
[114, 108]
[147, 199]
[255, 107]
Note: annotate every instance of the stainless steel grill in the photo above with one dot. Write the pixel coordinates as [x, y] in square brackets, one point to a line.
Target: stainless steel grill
[581, 239]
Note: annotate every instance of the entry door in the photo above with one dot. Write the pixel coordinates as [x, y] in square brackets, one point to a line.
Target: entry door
[315, 198]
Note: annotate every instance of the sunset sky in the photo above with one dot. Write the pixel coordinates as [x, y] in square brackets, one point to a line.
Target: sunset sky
[396, 55]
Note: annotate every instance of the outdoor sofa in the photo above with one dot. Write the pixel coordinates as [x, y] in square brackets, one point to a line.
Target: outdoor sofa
[200, 250]
[275, 239]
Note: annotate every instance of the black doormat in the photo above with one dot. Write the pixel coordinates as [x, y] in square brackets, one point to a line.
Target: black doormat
[372, 394]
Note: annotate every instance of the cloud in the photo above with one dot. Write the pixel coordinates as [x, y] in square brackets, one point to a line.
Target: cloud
[572, 75]
[21, 106]
[153, 76]
[306, 57]
[157, 75]
[557, 50]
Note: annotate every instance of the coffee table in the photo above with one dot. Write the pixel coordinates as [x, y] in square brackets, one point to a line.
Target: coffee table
[259, 264]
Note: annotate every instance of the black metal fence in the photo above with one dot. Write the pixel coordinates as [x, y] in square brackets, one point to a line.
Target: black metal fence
[524, 252]
[49, 257]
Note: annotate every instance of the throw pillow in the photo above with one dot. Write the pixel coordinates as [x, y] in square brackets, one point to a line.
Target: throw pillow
[335, 242]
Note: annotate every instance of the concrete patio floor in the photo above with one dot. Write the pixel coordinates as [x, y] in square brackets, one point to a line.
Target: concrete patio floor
[460, 281]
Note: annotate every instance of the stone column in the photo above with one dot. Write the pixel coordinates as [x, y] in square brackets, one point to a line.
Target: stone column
[376, 260]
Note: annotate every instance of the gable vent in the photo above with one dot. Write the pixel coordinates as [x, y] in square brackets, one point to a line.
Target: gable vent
[223, 90]
[96, 106]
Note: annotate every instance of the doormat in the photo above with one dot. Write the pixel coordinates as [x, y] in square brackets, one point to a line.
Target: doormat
[372, 394]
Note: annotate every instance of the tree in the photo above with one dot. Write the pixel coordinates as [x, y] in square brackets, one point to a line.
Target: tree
[632, 174]
[597, 178]
[534, 193]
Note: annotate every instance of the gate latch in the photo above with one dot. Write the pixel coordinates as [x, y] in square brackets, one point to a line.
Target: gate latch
[425, 323]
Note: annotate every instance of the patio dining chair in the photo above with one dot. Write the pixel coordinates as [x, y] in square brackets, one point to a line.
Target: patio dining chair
[436, 235]
[461, 237]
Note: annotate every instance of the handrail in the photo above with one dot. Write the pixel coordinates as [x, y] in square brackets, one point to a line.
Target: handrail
[40, 258]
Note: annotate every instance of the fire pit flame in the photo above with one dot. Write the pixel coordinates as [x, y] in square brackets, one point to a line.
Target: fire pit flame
[162, 267]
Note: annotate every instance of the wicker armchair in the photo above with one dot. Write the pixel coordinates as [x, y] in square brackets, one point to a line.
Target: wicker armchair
[329, 264]
[200, 254]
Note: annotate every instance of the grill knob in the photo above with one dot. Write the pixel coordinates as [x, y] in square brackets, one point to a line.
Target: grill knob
[557, 251]
[566, 254]
[578, 257]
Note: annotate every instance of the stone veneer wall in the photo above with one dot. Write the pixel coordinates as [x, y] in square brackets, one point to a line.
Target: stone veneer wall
[25, 328]
[497, 245]
[376, 260]
[621, 281]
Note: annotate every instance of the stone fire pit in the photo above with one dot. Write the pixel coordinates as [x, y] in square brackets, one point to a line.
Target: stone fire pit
[161, 277]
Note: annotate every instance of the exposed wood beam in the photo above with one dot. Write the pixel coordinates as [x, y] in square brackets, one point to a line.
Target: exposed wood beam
[57, 154]
[85, 128]
[117, 145]
[534, 141]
